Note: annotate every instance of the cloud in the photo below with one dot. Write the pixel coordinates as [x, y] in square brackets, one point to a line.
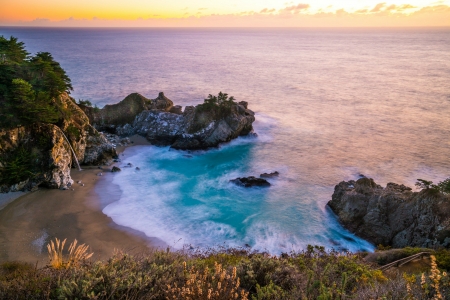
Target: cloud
[295, 9]
[391, 7]
[405, 6]
[378, 7]
[267, 11]
[298, 15]
[203, 8]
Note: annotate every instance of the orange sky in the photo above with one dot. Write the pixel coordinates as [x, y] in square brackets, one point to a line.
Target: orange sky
[223, 13]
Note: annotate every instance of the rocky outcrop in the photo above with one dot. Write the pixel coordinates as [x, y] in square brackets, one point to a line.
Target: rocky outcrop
[34, 155]
[195, 128]
[41, 154]
[270, 175]
[250, 181]
[90, 146]
[392, 216]
[124, 112]
[164, 124]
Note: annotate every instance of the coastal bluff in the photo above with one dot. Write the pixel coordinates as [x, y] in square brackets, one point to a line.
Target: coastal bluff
[392, 216]
[164, 124]
[42, 154]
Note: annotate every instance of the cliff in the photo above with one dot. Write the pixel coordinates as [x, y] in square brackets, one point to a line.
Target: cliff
[392, 216]
[40, 155]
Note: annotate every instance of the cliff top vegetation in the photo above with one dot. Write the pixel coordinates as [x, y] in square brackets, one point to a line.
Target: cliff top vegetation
[29, 85]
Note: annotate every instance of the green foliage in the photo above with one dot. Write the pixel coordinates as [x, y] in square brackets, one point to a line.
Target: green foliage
[17, 166]
[73, 132]
[219, 104]
[443, 258]
[312, 274]
[85, 102]
[212, 109]
[29, 85]
[430, 187]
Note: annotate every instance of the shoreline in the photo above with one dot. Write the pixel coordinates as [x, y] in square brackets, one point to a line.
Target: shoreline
[28, 221]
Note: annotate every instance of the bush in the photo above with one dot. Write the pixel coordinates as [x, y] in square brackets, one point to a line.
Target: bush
[17, 166]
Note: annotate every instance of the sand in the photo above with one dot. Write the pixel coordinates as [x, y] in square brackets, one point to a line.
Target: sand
[30, 221]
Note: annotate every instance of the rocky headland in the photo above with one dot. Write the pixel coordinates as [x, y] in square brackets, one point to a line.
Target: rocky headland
[393, 216]
[42, 154]
[163, 124]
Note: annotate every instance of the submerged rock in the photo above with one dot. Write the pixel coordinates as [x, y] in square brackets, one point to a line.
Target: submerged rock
[250, 181]
[392, 216]
[270, 175]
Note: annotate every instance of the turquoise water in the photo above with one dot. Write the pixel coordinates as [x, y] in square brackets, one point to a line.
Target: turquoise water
[330, 104]
[185, 198]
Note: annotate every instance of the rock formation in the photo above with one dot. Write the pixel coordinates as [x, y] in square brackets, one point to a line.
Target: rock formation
[166, 125]
[270, 175]
[392, 216]
[39, 154]
[250, 181]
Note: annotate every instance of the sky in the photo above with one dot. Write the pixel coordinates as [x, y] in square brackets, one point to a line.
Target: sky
[224, 13]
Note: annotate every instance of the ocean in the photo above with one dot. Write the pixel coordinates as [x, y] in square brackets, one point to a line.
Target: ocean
[330, 104]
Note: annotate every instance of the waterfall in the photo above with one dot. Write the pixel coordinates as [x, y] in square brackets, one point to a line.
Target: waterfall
[73, 152]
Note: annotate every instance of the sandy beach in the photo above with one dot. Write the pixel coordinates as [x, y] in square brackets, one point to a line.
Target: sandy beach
[30, 221]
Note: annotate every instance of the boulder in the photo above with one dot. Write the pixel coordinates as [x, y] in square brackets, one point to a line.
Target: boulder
[110, 116]
[115, 169]
[269, 175]
[250, 181]
[162, 103]
[392, 216]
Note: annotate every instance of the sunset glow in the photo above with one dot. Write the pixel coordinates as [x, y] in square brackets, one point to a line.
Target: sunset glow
[322, 13]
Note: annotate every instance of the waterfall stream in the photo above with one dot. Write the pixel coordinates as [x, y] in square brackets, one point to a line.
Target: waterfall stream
[73, 152]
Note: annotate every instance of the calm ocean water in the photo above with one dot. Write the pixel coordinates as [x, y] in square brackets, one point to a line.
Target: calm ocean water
[330, 104]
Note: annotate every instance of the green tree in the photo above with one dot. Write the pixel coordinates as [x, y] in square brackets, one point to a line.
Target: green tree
[30, 86]
[34, 107]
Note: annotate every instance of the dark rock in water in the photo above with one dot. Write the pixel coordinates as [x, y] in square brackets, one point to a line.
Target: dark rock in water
[269, 175]
[392, 216]
[250, 181]
[115, 169]
[138, 169]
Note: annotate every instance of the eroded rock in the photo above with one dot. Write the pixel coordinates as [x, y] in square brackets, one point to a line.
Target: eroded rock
[394, 215]
[250, 181]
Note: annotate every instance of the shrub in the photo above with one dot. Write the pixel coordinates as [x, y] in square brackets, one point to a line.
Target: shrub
[18, 166]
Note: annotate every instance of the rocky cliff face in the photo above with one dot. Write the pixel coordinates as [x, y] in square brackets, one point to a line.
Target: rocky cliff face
[90, 146]
[40, 154]
[394, 215]
[34, 155]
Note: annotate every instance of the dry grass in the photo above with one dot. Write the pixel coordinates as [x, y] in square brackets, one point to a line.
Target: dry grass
[206, 286]
[76, 254]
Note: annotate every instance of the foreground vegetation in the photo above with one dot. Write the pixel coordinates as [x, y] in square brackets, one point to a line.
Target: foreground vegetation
[216, 274]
